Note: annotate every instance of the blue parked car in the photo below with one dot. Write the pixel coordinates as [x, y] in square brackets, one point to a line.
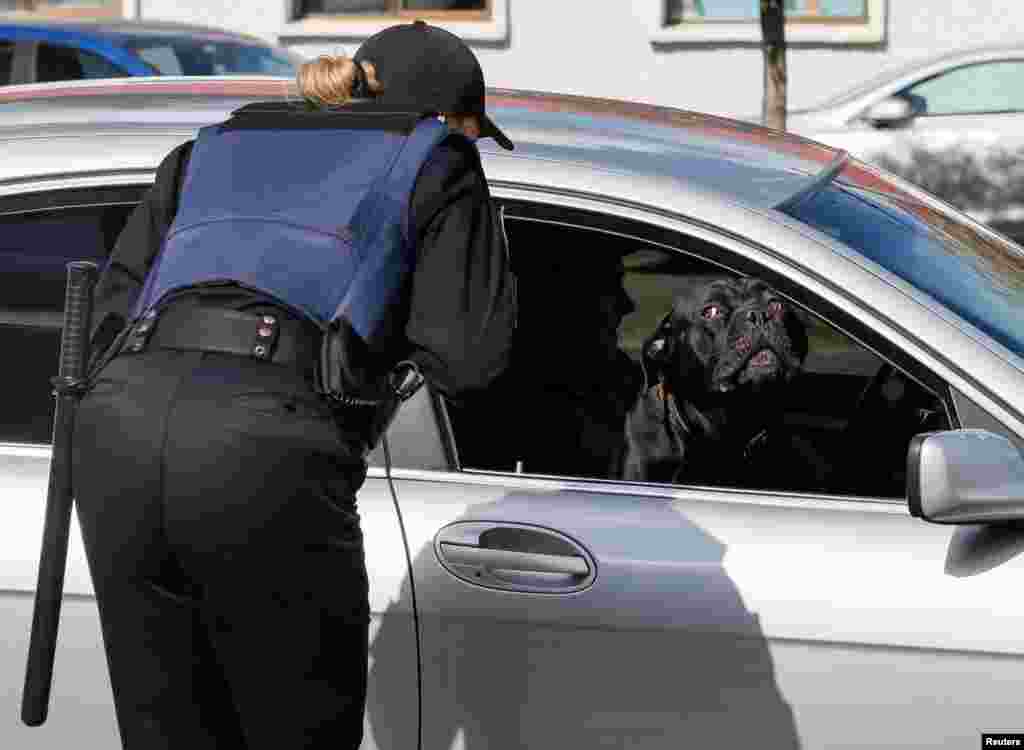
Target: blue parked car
[41, 50]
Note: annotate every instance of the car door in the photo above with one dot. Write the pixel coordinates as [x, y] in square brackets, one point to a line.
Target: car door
[562, 610]
[41, 229]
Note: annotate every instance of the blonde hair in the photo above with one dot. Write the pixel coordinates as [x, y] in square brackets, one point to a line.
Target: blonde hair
[328, 80]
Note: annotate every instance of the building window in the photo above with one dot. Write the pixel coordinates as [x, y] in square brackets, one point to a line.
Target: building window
[829, 21]
[473, 20]
[436, 9]
[67, 8]
[746, 11]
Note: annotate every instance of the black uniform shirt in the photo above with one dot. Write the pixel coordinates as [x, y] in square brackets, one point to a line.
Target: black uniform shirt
[462, 302]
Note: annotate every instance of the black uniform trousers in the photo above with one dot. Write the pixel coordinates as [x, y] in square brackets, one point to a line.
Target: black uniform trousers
[216, 501]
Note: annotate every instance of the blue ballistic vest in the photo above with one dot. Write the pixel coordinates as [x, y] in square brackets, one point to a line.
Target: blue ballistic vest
[311, 212]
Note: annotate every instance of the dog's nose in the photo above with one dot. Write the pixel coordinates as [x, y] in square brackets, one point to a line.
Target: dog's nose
[756, 317]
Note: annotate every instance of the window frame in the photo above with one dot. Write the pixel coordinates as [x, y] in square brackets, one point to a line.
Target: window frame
[472, 26]
[399, 13]
[537, 205]
[96, 9]
[589, 218]
[844, 31]
[670, 240]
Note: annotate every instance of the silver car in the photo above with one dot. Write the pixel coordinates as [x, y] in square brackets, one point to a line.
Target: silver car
[515, 609]
[952, 124]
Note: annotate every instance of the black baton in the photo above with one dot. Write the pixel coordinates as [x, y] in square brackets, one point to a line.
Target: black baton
[74, 354]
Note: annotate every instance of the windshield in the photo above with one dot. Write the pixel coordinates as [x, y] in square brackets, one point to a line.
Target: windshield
[974, 272]
[183, 56]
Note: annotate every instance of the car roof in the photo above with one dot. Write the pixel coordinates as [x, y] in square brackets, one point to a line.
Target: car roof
[112, 28]
[754, 166]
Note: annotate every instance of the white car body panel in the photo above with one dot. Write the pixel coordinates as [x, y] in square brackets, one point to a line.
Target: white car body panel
[854, 646]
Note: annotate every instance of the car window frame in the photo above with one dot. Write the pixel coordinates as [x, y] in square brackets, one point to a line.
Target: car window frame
[72, 197]
[540, 203]
[734, 254]
[741, 264]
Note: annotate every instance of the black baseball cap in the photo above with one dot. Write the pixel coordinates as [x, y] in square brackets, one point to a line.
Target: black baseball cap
[427, 69]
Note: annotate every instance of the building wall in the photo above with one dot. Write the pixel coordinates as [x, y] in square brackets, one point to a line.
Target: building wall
[604, 48]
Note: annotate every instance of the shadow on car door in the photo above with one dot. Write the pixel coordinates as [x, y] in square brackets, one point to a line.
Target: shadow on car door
[652, 648]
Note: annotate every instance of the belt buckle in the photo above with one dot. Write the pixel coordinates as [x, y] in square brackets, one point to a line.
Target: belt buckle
[266, 335]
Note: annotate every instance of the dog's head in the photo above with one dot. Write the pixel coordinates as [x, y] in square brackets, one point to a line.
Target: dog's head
[725, 336]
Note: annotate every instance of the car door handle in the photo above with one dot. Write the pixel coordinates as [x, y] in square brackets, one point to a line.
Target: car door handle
[503, 559]
[515, 557]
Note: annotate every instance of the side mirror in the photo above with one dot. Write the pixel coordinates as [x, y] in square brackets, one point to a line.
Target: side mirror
[965, 477]
[893, 111]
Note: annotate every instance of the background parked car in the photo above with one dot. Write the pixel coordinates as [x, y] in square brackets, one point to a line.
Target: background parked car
[953, 124]
[41, 50]
[655, 615]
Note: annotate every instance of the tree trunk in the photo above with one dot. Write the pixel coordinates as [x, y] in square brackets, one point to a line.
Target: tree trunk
[773, 35]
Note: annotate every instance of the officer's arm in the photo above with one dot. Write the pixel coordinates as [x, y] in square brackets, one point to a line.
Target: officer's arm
[462, 308]
[141, 238]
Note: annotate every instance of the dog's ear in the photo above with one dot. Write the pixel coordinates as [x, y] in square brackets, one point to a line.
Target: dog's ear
[659, 347]
[667, 356]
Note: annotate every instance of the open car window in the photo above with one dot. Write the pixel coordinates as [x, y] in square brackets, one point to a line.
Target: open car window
[568, 406]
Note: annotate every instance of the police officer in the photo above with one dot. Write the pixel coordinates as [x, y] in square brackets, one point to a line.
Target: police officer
[289, 273]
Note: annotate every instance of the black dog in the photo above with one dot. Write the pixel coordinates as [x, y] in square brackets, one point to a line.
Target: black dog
[717, 367]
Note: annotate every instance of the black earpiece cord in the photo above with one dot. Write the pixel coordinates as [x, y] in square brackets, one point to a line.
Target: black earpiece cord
[412, 590]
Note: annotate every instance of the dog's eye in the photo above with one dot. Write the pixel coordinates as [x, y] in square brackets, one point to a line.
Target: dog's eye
[710, 312]
[775, 309]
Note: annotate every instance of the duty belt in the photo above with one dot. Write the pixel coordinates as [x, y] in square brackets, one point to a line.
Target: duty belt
[264, 333]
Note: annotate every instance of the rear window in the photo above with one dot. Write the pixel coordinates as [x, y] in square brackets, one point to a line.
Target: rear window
[172, 56]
